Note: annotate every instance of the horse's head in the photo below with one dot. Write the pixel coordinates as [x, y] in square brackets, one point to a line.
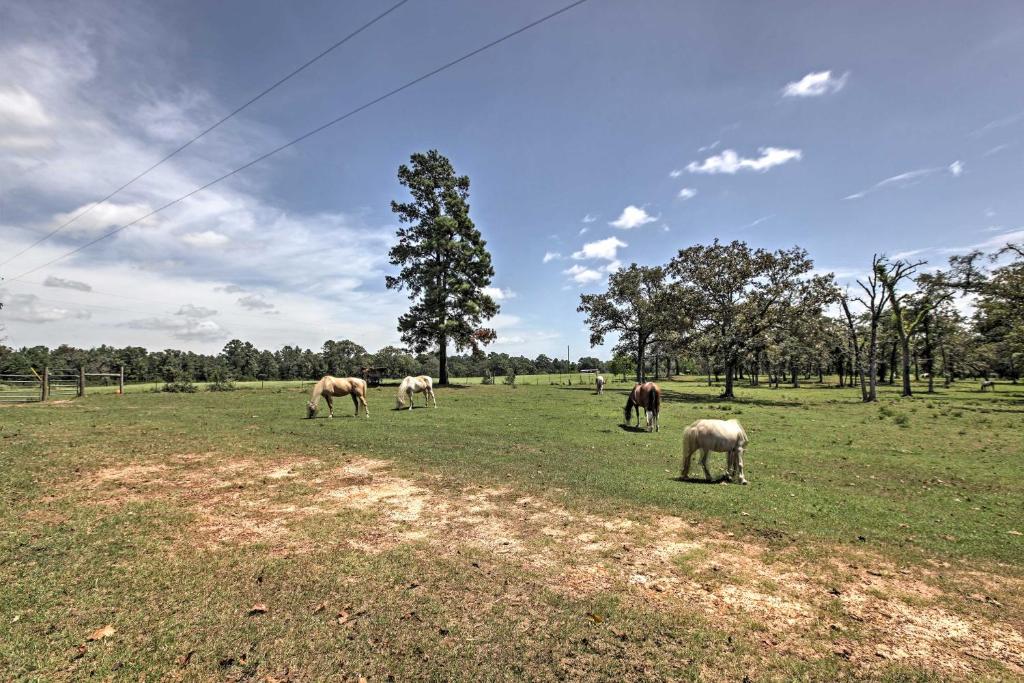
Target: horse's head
[311, 410]
[626, 411]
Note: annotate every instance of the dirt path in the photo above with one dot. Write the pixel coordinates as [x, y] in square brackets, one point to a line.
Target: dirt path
[856, 606]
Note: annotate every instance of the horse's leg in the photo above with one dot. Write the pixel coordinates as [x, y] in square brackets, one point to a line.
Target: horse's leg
[657, 425]
[366, 408]
[355, 402]
[410, 397]
[739, 466]
[433, 398]
[687, 455]
[330, 405]
[704, 453]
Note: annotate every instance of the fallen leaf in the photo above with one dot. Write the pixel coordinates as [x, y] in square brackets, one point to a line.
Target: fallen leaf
[258, 608]
[317, 609]
[1014, 532]
[185, 658]
[597, 618]
[101, 633]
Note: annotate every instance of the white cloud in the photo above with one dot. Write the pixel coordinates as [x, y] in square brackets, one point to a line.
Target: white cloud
[61, 283]
[207, 238]
[93, 143]
[675, 173]
[756, 222]
[105, 216]
[815, 84]
[499, 294]
[606, 249]
[730, 162]
[613, 266]
[20, 110]
[687, 193]
[191, 311]
[551, 256]
[583, 231]
[999, 123]
[589, 218]
[708, 148]
[582, 275]
[633, 217]
[29, 308]
[909, 178]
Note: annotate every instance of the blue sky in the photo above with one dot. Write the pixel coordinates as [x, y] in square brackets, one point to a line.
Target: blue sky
[618, 132]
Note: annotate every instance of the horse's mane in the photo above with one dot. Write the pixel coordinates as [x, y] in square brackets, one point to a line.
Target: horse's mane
[318, 389]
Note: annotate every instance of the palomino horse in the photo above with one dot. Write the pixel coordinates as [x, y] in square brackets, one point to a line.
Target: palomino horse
[600, 384]
[328, 387]
[415, 385]
[648, 397]
[720, 436]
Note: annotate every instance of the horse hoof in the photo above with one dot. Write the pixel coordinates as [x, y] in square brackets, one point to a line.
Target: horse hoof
[744, 482]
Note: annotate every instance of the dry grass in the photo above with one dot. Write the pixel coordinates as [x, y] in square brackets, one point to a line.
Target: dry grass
[856, 606]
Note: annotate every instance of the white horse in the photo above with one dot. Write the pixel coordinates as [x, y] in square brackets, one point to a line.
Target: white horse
[720, 436]
[415, 385]
[600, 384]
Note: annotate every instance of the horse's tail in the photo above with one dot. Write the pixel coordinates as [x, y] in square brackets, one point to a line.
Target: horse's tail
[629, 405]
[690, 439]
[742, 434]
[654, 399]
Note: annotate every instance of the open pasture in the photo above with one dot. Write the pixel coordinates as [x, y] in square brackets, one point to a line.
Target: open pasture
[512, 533]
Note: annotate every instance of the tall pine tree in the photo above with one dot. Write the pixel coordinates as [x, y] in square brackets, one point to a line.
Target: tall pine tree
[444, 262]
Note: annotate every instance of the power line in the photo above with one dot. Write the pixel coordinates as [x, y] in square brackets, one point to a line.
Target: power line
[295, 72]
[313, 132]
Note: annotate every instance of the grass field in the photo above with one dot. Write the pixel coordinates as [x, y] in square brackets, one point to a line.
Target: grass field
[511, 533]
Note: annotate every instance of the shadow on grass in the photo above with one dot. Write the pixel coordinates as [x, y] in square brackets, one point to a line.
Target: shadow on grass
[673, 396]
[633, 428]
[702, 480]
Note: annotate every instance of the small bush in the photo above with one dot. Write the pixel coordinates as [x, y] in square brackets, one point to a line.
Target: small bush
[885, 411]
[183, 386]
[487, 379]
[219, 381]
[902, 420]
[510, 378]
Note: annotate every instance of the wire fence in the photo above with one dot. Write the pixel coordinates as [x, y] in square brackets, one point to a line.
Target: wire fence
[61, 384]
[20, 388]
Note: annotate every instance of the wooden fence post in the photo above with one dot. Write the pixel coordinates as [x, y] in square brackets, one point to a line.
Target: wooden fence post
[45, 391]
[81, 381]
[120, 381]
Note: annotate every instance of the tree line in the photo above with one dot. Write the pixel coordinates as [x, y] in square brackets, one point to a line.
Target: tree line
[243, 361]
[735, 313]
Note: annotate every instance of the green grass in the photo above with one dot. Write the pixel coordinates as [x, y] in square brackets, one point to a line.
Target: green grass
[932, 479]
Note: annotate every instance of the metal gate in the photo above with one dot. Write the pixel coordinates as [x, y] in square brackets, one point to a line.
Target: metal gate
[62, 384]
[20, 388]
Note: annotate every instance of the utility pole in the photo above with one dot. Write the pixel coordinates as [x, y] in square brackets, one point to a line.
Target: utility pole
[568, 366]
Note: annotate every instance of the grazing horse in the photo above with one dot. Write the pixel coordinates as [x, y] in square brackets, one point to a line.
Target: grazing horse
[720, 436]
[415, 385]
[988, 384]
[329, 387]
[648, 397]
[600, 384]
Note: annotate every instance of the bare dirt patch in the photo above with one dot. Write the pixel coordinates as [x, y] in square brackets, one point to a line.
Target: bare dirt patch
[857, 606]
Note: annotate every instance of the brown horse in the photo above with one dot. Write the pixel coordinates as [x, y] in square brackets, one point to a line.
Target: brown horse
[329, 386]
[648, 397]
